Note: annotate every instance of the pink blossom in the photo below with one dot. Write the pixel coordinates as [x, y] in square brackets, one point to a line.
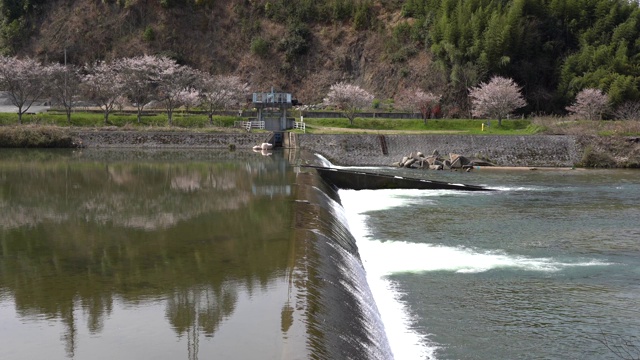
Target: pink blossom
[349, 98]
[24, 81]
[418, 100]
[590, 104]
[496, 99]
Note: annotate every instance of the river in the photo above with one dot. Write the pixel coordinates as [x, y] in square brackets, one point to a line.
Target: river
[193, 254]
[547, 267]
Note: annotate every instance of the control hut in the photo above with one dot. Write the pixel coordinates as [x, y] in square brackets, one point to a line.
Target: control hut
[272, 110]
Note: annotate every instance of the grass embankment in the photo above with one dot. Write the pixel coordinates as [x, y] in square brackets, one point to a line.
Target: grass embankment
[121, 120]
[415, 126]
[535, 125]
[51, 129]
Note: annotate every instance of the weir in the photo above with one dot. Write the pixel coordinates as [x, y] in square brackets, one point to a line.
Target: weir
[340, 314]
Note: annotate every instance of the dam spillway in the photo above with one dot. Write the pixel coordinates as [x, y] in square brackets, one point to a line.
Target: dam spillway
[344, 323]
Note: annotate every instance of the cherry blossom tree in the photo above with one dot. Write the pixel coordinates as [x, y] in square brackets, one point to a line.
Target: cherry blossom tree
[496, 98]
[24, 81]
[64, 86]
[104, 85]
[190, 98]
[418, 100]
[348, 98]
[220, 92]
[173, 81]
[589, 104]
[141, 76]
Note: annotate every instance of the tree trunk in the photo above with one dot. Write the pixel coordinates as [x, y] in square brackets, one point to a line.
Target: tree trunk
[425, 114]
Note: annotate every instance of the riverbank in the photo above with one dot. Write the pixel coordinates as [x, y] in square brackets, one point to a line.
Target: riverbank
[359, 149]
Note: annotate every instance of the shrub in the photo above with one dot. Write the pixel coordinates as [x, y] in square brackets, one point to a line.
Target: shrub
[260, 47]
[297, 42]
[148, 34]
[25, 136]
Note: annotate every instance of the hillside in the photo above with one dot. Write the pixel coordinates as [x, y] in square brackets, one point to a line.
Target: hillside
[552, 49]
[218, 38]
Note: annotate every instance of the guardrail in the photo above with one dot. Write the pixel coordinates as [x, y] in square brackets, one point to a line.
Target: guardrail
[300, 125]
[248, 125]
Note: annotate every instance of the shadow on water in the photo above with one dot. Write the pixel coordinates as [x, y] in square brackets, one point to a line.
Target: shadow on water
[219, 240]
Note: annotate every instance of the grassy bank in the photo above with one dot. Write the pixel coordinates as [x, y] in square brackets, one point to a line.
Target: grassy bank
[199, 122]
[118, 119]
[416, 126]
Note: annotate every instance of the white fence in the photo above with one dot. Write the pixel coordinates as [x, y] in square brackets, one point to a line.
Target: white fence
[248, 125]
[300, 125]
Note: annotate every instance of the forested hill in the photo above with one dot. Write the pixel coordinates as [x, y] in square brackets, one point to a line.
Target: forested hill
[552, 48]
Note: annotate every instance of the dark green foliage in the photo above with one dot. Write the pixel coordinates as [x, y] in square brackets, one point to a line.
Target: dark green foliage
[338, 10]
[552, 48]
[296, 43]
[364, 18]
[259, 47]
[14, 15]
[148, 34]
[291, 11]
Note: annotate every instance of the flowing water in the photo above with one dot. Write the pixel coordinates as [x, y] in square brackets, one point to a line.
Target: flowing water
[196, 254]
[128, 254]
[547, 267]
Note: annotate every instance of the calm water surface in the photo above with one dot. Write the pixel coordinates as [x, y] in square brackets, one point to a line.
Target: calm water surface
[548, 267]
[163, 257]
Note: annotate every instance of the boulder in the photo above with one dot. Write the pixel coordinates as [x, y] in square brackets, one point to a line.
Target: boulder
[431, 160]
[409, 162]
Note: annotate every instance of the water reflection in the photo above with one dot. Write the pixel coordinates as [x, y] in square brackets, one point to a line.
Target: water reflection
[82, 238]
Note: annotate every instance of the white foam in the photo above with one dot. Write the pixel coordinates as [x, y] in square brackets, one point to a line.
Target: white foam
[383, 258]
[405, 342]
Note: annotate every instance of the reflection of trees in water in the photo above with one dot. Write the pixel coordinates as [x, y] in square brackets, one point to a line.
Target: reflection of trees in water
[36, 192]
[76, 235]
[199, 310]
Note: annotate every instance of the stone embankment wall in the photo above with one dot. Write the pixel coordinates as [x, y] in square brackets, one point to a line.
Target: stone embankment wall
[364, 149]
[378, 150]
[138, 139]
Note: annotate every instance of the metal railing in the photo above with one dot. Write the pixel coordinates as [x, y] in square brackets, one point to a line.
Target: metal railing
[300, 125]
[271, 98]
[248, 125]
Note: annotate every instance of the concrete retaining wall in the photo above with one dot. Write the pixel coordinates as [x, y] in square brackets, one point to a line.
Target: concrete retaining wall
[367, 150]
[137, 139]
[364, 150]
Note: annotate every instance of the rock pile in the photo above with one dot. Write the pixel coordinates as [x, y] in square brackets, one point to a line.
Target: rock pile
[437, 162]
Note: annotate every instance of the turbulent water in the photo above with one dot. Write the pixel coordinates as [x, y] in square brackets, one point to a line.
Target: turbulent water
[547, 267]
